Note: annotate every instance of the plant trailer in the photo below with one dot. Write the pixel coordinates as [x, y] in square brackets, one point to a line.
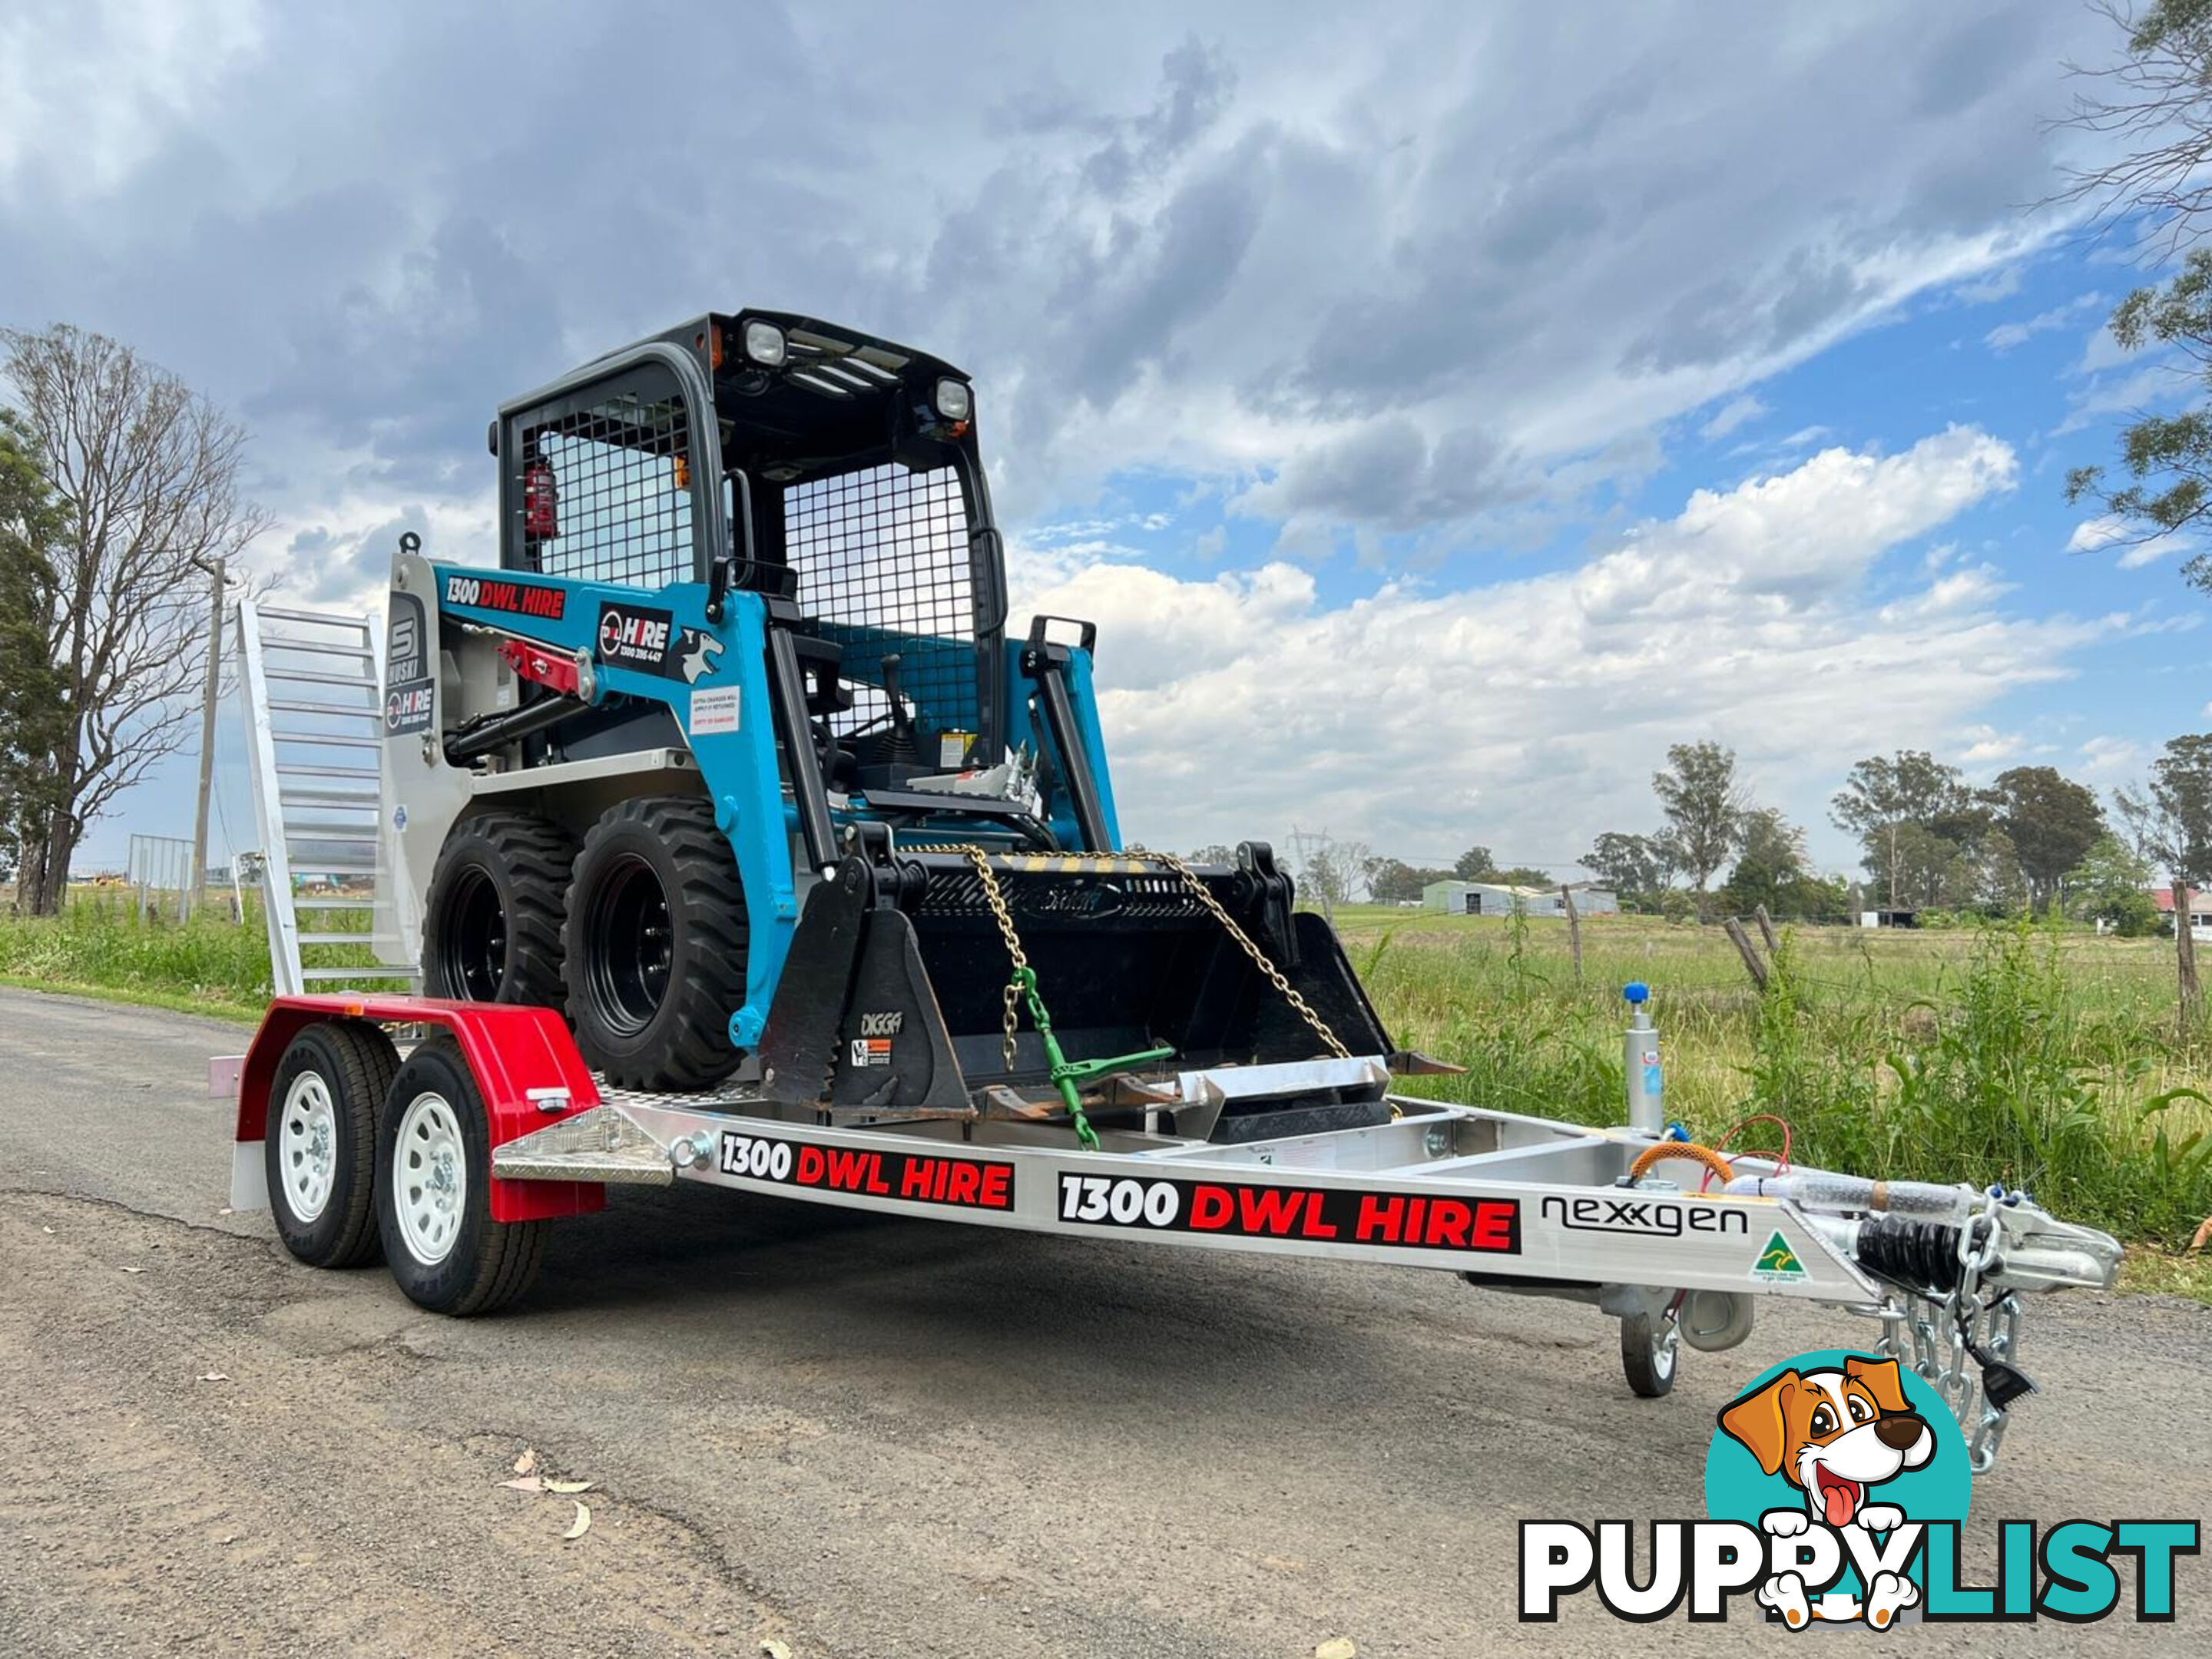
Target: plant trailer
[738, 841]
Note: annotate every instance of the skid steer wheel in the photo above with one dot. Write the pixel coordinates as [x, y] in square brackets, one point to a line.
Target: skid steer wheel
[319, 1147]
[1650, 1350]
[491, 928]
[655, 945]
[433, 1192]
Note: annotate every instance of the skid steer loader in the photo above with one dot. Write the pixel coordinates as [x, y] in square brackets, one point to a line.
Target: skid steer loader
[734, 760]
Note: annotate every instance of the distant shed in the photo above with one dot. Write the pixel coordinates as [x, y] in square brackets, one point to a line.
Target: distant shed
[1490, 899]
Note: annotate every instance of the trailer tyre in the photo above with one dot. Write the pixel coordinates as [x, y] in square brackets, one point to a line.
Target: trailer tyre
[491, 929]
[433, 1192]
[1651, 1354]
[655, 945]
[319, 1147]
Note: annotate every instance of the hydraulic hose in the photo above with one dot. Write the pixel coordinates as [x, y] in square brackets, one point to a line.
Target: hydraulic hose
[1691, 1149]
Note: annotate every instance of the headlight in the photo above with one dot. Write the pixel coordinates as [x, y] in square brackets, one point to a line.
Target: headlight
[764, 343]
[954, 401]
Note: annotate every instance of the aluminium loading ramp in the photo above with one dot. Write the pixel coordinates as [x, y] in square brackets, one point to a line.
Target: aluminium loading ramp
[312, 684]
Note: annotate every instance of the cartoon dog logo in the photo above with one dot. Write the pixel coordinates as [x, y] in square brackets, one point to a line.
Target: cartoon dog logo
[698, 656]
[1834, 1434]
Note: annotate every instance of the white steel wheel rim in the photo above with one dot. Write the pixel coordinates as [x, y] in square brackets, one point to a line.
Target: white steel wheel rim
[307, 1146]
[429, 1177]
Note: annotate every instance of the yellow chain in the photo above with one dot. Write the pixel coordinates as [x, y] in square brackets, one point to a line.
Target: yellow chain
[1000, 913]
[1259, 957]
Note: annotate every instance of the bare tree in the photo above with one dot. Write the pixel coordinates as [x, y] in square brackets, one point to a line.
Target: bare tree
[147, 471]
[2153, 106]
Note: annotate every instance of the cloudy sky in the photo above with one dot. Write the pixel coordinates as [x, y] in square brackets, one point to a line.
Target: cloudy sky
[1441, 409]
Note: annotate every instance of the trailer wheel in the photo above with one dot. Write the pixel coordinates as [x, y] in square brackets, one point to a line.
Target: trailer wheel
[1650, 1350]
[433, 1192]
[319, 1147]
[655, 945]
[491, 929]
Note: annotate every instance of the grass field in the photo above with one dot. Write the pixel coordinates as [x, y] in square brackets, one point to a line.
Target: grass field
[2036, 1058]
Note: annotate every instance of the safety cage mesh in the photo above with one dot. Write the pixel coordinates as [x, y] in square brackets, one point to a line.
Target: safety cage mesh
[884, 565]
[605, 491]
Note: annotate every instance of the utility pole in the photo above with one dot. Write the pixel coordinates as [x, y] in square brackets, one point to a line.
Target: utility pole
[215, 567]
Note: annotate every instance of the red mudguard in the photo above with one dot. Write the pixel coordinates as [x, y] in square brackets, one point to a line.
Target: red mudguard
[521, 1058]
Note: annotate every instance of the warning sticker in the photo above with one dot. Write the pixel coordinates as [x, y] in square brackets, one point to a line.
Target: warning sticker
[714, 713]
[872, 1051]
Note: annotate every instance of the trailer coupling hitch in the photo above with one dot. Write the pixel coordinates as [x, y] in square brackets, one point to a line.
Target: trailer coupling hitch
[1067, 1074]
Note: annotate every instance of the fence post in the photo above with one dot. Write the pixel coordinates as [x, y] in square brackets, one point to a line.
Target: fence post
[1752, 963]
[1766, 930]
[2185, 951]
[1574, 927]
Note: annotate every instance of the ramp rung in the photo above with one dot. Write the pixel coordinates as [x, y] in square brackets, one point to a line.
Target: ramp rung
[289, 770]
[345, 711]
[316, 830]
[309, 902]
[357, 624]
[317, 648]
[337, 867]
[328, 798]
[323, 975]
[327, 738]
[308, 676]
[350, 939]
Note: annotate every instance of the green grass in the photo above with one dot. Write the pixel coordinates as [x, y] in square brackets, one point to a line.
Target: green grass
[2041, 1059]
[98, 946]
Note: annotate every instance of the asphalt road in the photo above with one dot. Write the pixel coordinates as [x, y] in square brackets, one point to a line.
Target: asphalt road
[853, 1437]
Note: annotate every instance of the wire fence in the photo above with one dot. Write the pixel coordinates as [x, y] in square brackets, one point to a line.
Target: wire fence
[160, 865]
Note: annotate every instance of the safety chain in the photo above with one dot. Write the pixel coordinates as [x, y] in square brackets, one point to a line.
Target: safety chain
[1258, 957]
[1914, 1334]
[1000, 913]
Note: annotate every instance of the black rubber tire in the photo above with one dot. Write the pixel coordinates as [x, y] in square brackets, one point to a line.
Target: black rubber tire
[354, 1062]
[491, 927]
[1650, 1355]
[489, 1263]
[655, 945]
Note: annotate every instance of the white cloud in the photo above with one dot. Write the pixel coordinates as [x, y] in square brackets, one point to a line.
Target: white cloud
[2154, 551]
[2091, 534]
[2000, 284]
[2106, 758]
[1731, 415]
[1531, 711]
[2122, 394]
[1986, 745]
[2136, 551]
[2006, 336]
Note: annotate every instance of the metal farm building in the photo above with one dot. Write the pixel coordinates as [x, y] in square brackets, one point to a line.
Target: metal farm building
[1489, 898]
